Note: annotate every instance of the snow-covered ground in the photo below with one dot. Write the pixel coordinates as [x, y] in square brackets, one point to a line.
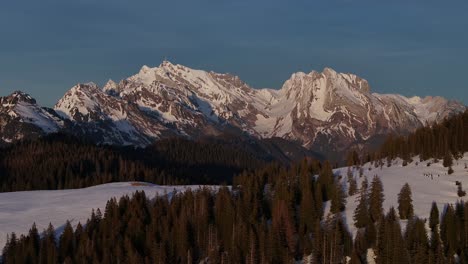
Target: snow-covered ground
[440, 187]
[18, 210]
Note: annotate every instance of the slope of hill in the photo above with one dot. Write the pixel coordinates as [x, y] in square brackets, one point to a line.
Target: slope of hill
[18, 210]
[428, 184]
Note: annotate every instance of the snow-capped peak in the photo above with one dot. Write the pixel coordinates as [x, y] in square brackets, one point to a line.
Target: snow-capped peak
[325, 108]
[21, 117]
[111, 87]
[17, 96]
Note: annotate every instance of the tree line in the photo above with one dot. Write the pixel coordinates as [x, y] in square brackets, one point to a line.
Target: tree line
[445, 140]
[271, 215]
[62, 161]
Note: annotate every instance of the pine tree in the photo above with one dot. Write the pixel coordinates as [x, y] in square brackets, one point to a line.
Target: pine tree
[361, 213]
[405, 202]
[391, 245]
[417, 241]
[434, 217]
[376, 198]
[460, 191]
[48, 250]
[338, 202]
[448, 231]
[325, 180]
[66, 242]
[448, 160]
[352, 185]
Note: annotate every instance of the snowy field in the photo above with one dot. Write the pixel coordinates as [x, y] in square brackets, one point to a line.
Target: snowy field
[440, 187]
[18, 210]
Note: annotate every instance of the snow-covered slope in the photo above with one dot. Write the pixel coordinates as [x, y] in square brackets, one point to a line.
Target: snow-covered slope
[19, 210]
[326, 111]
[428, 184]
[107, 119]
[21, 117]
[313, 108]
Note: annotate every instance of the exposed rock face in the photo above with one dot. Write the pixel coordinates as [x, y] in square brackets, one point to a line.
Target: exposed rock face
[22, 118]
[325, 111]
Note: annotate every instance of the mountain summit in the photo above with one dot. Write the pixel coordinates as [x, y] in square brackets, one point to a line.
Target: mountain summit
[327, 111]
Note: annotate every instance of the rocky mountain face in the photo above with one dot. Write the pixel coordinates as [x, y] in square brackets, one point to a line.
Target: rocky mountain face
[22, 118]
[325, 111]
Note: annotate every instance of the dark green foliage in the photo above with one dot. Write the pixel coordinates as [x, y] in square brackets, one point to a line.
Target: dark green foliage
[376, 199]
[352, 159]
[325, 179]
[391, 246]
[417, 241]
[439, 141]
[450, 171]
[59, 162]
[448, 160]
[405, 202]
[434, 217]
[448, 231]
[460, 191]
[338, 201]
[361, 213]
[270, 217]
[352, 184]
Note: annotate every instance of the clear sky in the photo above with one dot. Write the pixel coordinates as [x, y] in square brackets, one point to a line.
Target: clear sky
[408, 47]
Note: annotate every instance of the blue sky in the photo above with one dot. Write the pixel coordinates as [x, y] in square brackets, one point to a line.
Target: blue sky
[407, 47]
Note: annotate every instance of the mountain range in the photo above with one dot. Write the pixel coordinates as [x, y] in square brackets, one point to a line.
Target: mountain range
[327, 111]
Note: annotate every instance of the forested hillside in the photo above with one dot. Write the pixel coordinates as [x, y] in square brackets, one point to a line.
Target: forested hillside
[445, 140]
[61, 161]
[272, 215]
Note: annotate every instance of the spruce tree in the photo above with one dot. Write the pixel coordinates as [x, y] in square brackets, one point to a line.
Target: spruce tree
[376, 198]
[434, 217]
[448, 160]
[66, 242]
[352, 185]
[417, 241]
[361, 213]
[338, 202]
[391, 245]
[405, 202]
[326, 181]
[448, 231]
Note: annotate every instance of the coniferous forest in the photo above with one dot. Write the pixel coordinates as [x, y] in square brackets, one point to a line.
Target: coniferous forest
[440, 141]
[272, 216]
[64, 162]
[272, 213]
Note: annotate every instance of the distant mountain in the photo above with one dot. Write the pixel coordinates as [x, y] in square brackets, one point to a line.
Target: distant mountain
[21, 117]
[324, 111]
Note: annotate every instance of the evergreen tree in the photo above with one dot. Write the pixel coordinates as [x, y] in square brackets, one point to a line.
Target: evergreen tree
[361, 213]
[325, 180]
[66, 243]
[338, 201]
[448, 160]
[48, 248]
[460, 191]
[376, 198]
[405, 202]
[448, 231]
[352, 184]
[391, 245]
[417, 241]
[434, 217]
